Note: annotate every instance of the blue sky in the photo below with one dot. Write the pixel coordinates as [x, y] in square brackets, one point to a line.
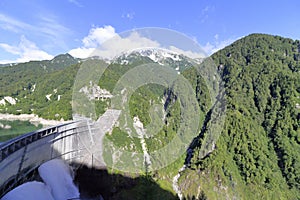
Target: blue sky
[41, 29]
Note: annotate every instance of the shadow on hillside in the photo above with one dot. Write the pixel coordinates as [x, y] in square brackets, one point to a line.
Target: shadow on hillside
[94, 183]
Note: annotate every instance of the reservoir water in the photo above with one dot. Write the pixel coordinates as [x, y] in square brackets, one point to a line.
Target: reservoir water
[11, 129]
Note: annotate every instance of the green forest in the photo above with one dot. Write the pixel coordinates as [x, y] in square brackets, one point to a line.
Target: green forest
[29, 83]
[257, 155]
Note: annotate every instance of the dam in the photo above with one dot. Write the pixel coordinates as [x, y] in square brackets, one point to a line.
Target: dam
[77, 142]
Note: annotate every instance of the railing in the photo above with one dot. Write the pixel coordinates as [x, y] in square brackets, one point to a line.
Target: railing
[17, 143]
[20, 157]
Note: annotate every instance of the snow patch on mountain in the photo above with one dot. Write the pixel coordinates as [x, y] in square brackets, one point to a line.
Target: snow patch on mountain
[124, 62]
[158, 55]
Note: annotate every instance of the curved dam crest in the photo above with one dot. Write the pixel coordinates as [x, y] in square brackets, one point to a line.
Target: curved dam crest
[73, 142]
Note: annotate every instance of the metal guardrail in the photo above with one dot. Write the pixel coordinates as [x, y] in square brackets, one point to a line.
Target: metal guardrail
[12, 145]
[8, 148]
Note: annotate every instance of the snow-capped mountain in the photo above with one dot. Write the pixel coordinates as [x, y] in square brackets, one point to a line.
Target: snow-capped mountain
[159, 56]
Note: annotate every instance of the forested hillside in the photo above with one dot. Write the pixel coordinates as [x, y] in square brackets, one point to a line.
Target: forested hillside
[29, 84]
[258, 153]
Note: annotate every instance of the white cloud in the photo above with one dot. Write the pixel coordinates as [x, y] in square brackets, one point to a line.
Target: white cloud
[205, 10]
[205, 13]
[129, 15]
[82, 52]
[111, 43]
[93, 40]
[118, 44]
[217, 45]
[189, 54]
[98, 35]
[217, 37]
[50, 26]
[106, 43]
[46, 29]
[10, 49]
[11, 24]
[26, 50]
[75, 2]
[46, 26]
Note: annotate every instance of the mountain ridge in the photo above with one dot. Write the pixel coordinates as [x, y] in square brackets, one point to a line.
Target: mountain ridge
[258, 152]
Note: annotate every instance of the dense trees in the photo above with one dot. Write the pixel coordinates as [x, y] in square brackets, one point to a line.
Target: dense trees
[261, 131]
[258, 152]
[31, 82]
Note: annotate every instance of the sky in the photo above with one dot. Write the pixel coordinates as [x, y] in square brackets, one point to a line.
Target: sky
[42, 29]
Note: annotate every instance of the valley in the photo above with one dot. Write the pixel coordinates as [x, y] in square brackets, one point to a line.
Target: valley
[244, 141]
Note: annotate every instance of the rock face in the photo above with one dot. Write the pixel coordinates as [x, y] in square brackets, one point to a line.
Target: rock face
[10, 100]
[93, 91]
[2, 102]
[139, 127]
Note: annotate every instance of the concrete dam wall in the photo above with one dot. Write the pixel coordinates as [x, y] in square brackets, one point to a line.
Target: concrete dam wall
[74, 142]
